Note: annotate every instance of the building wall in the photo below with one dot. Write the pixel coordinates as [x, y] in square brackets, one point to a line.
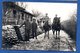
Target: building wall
[14, 16]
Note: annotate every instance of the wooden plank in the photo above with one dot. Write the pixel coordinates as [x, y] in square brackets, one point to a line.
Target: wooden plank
[18, 33]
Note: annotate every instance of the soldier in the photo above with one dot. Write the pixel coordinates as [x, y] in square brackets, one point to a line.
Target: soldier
[46, 17]
[34, 28]
[55, 20]
[27, 29]
[54, 25]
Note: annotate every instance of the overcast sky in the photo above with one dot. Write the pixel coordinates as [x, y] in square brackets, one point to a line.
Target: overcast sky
[64, 10]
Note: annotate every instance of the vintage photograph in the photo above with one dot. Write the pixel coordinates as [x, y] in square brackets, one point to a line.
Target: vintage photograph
[39, 26]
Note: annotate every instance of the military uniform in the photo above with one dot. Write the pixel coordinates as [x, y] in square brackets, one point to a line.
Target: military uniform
[27, 30]
[34, 30]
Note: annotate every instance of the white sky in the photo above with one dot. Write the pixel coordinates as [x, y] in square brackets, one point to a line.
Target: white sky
[64, 10]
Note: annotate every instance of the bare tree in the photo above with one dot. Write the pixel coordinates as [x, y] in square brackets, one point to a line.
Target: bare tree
[22, 4]
[74, 16]
[36, 13]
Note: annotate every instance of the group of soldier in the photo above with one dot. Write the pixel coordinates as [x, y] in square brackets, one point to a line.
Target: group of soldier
[30, 27]
[33, 27]
[56, 27]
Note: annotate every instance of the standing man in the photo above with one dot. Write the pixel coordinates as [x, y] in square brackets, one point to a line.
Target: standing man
[27, 29]
[34, 28]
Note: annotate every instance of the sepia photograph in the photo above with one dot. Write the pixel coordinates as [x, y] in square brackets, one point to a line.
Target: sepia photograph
[40, 26]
